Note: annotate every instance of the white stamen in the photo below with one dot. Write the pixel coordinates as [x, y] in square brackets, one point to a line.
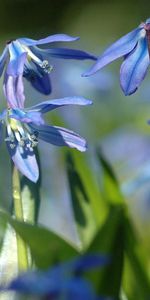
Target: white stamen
[45, 65]
[17, 135]
[21, 134]
[21, 143]
[31, 54]
[12, 145]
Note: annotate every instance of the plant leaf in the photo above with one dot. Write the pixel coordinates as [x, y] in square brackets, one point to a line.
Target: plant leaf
[110, 186]
[110, 240]
[85, 198]
[46, 247]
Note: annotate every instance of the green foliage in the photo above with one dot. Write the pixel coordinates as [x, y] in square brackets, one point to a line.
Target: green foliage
[85, 198]
[46, 247]
[103, 224]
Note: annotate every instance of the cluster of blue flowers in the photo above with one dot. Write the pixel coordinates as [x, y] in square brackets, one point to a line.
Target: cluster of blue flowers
[23, 58]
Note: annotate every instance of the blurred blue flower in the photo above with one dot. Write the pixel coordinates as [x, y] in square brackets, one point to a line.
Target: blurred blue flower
[64, 281]
[25, 126]
[135, 48]
[23, 57]
[102, 83]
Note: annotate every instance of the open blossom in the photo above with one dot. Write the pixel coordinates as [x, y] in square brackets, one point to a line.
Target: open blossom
[24, 127]
[63, 281]
[134, 47]
[24, 57]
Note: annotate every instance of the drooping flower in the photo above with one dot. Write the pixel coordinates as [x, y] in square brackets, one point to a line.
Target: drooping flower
[24, 57]
[135, 48]
[24, 127]
[64, 281]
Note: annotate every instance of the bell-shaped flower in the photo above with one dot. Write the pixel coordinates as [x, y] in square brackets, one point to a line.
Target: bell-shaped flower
[134, 47]
[63, 281]
[24, 127]
[24, 57]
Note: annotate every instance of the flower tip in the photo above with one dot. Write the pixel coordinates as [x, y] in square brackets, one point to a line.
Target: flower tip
[82, 146]
[90, 72]
[73, 38]
[83, 149]
[33, 177]
[89, 102]
[129, 93]
[76, 38]
[86, 74]
[126, 93]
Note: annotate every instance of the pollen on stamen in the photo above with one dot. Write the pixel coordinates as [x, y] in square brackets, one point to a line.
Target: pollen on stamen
[45, 65]
[12, 145]
[22, 143]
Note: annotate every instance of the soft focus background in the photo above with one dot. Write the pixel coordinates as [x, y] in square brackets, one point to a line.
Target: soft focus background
[116, 123]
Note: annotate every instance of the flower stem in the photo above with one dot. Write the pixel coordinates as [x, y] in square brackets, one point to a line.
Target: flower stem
[18, 209]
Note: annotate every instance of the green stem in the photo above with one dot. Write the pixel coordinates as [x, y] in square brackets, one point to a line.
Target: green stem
[18, 209]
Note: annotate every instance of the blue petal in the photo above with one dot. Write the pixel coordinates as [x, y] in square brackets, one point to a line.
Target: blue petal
[3, 59]
[34, 117]
[37, 77]
[49, 105]
[50, 39]
[16, 65]
[9, 91]
[41, 83]
[20, 91]
[34, 283]
[120, 48]
[38, 283]
[69, 53]
[76, 288]
[39, 52]
[60, 136]
[134, 67]
[84, 263]
[27, 117]
[25, 161]
[13, 88]
[15, 49]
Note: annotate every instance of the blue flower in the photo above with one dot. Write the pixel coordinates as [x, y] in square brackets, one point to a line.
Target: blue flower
[64, 281]
[23, 57]
[135, 48]
[24, 127]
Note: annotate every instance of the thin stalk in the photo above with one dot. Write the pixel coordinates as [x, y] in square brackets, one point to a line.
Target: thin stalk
[18, 210]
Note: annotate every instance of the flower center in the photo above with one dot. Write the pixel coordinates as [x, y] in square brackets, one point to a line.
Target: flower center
[44, 64]
[20, 134]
